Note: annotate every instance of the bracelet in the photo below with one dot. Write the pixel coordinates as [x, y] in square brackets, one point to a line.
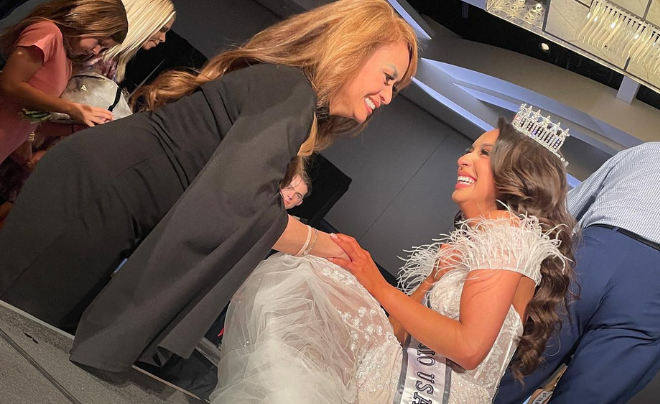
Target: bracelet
[311, 246]
[304, 247]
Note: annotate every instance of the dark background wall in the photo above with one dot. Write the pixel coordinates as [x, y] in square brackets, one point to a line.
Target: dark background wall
[213, 25]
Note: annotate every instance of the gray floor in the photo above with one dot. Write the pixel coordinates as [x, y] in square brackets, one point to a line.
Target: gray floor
[34, 368]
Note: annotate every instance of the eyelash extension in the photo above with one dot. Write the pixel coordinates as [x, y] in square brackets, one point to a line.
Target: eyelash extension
[482, 151]
[389, 79]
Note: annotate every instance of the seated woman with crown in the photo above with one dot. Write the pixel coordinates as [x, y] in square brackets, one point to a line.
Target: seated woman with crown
[305, 329]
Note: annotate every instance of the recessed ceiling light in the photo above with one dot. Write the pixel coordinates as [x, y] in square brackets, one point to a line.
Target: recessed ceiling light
[544, 47]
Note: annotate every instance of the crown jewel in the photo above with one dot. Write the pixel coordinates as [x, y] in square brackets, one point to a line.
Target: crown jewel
[547, 133]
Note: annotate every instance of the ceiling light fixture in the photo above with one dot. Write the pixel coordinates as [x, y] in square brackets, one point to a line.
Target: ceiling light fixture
[518, 11]
[623, 34]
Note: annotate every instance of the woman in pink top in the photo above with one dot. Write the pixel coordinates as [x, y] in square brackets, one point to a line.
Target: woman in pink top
[149, 22]
[41, 49]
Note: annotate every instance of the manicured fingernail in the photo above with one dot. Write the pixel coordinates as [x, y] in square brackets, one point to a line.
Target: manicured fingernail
[333, 235]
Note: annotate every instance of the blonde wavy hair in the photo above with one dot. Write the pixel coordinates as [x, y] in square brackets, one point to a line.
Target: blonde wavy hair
[145, 18]
[75, 19]
[330, 44]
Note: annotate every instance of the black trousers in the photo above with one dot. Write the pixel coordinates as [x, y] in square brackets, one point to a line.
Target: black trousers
[79, 215]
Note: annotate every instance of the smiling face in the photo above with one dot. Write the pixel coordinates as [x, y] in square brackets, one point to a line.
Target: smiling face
[475, 192]
[293, 194]
[158, 36]
[374, 83]
[88, 46]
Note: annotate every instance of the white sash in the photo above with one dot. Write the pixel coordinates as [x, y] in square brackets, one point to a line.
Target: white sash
[425, 377]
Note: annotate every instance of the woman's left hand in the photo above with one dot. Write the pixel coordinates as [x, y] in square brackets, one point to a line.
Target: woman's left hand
[361, 265]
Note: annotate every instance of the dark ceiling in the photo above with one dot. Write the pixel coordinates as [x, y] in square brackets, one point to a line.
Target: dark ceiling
[477, 25]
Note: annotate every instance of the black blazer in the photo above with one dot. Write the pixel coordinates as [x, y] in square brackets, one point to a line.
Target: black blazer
[243, 129]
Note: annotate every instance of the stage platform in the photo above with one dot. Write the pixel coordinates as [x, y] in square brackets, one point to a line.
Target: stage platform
[35, 369]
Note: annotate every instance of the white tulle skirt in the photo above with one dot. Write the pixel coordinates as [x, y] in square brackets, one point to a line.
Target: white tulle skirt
[302, 330]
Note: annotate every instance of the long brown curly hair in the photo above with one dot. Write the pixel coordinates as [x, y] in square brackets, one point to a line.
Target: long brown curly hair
[330, 44]
[75, 19]
[531, 180]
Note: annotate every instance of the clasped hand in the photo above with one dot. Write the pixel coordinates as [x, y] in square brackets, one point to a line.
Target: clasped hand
[360, 264]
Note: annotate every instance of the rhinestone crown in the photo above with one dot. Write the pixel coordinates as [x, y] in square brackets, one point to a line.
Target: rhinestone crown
[547, 133]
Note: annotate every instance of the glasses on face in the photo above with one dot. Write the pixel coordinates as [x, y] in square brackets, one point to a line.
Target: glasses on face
[297, 196]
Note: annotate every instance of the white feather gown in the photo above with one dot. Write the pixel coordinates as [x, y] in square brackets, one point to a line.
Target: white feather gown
[303, 330]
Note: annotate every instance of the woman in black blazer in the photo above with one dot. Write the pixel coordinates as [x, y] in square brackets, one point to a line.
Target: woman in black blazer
[189, 188]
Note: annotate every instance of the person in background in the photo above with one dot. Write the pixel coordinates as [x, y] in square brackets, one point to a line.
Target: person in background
[148, 21]
[611, 340]
[41, 48]
[294, 193]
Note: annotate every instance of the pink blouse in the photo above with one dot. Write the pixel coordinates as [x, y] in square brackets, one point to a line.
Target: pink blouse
[51, 78]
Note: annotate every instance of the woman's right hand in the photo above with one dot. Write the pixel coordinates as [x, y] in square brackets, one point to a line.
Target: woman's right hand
[89, 115]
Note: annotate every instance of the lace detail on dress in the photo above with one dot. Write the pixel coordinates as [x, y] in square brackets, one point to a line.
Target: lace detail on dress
[316, 336]
[371, 338]
[378, 371]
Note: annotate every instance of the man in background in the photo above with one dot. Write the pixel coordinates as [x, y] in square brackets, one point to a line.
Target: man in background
[611, 340]
[294, 192]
